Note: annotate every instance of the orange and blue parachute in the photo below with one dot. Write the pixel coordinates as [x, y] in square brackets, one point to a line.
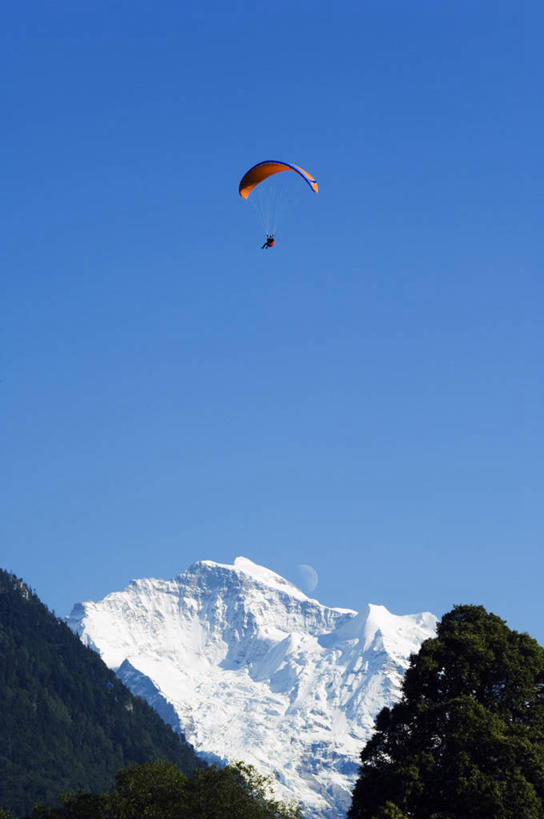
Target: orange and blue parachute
[271, 200]
[258, 173]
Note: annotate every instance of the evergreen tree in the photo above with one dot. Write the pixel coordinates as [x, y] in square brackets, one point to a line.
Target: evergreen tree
[467, 738]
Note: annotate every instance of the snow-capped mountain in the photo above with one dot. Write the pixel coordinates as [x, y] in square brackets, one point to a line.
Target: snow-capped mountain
[249, 667]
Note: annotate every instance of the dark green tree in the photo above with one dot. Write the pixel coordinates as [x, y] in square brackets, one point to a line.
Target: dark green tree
[467, 738]
[238, 790]
[158, 790]
[83, 805]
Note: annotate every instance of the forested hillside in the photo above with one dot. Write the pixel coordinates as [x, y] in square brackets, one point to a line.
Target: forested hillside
[66, 722]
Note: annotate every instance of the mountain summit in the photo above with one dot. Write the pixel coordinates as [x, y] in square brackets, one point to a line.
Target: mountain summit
[249, 667]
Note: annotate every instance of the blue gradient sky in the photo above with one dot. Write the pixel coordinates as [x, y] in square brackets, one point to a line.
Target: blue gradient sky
[366, 397]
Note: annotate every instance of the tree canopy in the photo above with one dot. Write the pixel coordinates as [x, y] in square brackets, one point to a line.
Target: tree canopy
[466, 739]
[159, 790]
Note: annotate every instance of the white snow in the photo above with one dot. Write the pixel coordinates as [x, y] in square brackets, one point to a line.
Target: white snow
[249, 667]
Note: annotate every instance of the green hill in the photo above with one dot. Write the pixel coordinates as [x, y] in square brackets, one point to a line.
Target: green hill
[67, 723]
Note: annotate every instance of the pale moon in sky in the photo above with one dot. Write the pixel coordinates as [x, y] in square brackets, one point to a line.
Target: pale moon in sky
[308, 576]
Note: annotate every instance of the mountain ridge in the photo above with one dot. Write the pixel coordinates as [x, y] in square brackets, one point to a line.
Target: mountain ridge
[251, 668]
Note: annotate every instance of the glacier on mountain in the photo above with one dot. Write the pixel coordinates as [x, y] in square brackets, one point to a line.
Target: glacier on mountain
[249, 667]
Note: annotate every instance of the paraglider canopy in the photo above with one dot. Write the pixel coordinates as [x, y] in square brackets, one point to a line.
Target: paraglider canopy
[258, 173]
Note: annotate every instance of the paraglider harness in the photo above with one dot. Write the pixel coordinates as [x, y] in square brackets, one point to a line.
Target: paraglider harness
[270, 241]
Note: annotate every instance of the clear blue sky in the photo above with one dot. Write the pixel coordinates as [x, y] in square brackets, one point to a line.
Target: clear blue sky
[368, 396]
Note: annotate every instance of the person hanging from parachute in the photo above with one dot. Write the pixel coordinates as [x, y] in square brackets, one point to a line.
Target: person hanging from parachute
[261, 172]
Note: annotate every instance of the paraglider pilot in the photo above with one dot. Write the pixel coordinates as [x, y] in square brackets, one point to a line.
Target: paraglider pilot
[270, 242]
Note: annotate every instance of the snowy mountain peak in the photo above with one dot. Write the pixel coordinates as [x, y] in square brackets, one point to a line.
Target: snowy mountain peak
[249, 667]
[259, 574]
[267, 577]
[396, 630]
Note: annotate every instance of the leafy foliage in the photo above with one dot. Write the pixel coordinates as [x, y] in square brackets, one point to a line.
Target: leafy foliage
[66, 722]
[159, 790]
[467, 738]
